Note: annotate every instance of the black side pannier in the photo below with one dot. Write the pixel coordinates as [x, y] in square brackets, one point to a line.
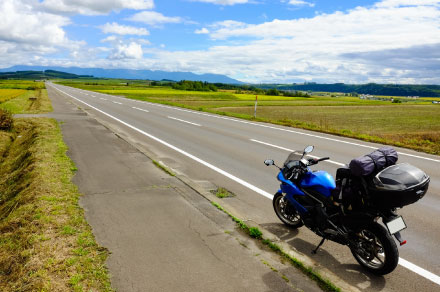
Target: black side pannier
[374, 162]
[349, 189]
[397, 186]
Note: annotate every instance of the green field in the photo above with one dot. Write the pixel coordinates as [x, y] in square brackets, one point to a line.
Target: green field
[413, 124]
[24, 97]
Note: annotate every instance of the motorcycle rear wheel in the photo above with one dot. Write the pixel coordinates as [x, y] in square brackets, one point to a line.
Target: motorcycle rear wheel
[376, 251]
[286, 212]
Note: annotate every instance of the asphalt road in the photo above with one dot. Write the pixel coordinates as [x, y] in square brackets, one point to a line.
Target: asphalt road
[230, 153]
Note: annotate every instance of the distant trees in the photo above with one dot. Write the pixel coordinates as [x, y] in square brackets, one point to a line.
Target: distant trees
[194, 86]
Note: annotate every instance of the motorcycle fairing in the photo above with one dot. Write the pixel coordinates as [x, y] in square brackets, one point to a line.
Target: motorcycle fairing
[288, 188]
[321, 181]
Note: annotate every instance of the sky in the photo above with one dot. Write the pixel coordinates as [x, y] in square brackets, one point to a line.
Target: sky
[255, 41]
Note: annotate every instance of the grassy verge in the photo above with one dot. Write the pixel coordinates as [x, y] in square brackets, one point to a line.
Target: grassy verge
[255, 233]
[45, 244]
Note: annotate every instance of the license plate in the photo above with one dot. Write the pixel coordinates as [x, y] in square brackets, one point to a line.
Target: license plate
[396, 225]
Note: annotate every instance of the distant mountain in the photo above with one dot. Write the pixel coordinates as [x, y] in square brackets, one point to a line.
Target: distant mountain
[130, 74]
[30, 74]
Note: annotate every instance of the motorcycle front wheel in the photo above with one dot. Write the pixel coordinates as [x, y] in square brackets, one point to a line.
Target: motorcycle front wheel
[376, 250]
[286, 212]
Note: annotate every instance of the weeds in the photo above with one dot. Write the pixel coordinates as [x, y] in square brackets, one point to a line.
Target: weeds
[46, 244]
[222, 193]
[163, 167]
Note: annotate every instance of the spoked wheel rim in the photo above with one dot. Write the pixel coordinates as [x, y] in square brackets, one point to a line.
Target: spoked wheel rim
[282, 207]
[371, 251]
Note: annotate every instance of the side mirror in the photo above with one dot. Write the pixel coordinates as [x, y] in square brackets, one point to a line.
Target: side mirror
[308, 149]
[269, 162]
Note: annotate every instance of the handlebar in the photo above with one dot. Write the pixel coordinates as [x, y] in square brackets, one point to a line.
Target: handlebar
[313, 161]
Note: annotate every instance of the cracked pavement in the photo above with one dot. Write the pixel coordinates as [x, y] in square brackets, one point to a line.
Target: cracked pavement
[162, 235]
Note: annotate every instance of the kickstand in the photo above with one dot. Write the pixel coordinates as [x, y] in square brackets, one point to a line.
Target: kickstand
[319, 245]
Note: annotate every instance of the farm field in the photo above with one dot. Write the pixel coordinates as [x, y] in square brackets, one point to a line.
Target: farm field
[413, 124]
[23, 96]
[7, 94]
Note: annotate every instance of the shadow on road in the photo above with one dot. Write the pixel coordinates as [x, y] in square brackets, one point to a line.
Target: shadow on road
[351, 273]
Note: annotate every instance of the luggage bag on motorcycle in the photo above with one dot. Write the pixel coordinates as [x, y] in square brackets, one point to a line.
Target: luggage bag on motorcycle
[397, 186]
[374, 162]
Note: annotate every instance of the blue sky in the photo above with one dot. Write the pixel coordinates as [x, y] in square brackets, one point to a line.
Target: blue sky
[385, 41]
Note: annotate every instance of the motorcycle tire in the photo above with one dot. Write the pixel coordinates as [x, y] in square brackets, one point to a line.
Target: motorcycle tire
[286, 212]
[376, 251]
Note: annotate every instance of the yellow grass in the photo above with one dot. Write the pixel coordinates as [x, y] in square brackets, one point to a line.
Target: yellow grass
[7, 94]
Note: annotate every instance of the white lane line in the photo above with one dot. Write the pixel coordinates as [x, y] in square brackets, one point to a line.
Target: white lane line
[116, 102]
[183, 121]
[93, 95]
[404, 263]
[420, 271]
[291, 150]
[207, 164]
[144, 110]
[285, 130]
[103, 98]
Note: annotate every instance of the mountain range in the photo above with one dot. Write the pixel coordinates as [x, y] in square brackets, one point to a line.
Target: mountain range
[130, 74]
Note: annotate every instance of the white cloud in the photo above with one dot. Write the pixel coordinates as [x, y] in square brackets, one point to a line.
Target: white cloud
[391, 41]
[123, 29]
[21, 24]
[154, 18]
[337, 47]
[223, 2]
[27, 35]
[301, 3]
[109, 39]
[130, 51]
[201, 31]
[94, 7]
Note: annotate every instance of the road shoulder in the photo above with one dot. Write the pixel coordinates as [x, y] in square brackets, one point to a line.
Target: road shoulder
[162, 235]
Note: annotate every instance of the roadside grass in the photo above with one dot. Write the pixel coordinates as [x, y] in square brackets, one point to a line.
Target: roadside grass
[45, 244]
[163, 167]
[221, 193]
[255, 233]
[30, 102]
[414, 124]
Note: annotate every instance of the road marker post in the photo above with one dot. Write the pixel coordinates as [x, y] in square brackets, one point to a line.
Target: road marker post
[255, 109]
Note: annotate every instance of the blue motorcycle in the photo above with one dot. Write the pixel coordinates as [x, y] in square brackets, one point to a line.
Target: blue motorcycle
[347, 211]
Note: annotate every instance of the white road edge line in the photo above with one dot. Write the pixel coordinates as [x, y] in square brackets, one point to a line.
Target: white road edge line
[291, 150]
[144, 110]
[410, 266]
[183, 121]
[280, 129]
